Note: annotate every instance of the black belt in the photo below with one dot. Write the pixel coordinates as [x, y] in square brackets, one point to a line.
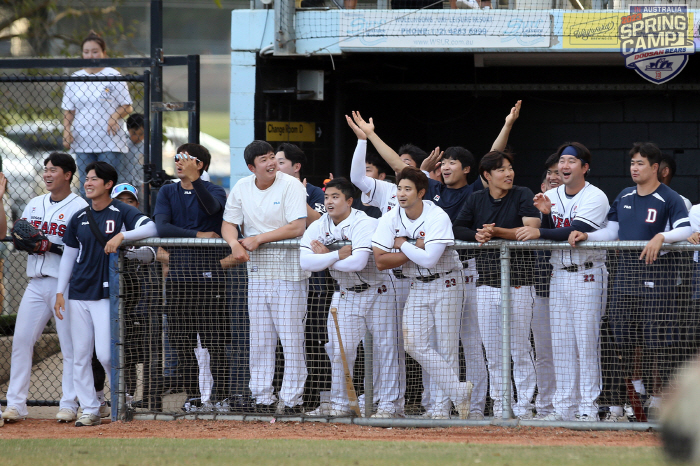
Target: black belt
[399, 274]
[431, 278]
[358, 288]
[576, 268]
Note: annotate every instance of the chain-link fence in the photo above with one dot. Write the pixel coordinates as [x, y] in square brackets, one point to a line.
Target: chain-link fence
[595, 341]
[92, 117]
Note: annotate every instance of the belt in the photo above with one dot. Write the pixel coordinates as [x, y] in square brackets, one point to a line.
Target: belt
[399, 274]
[576, 267]
[431, 278]
[358, 288]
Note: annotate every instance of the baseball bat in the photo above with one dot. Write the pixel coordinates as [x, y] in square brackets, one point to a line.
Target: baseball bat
[352, 396]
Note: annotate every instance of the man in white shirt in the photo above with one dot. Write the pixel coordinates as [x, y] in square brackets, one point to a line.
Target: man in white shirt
[365, 300]
[270, 206]
[432, 314]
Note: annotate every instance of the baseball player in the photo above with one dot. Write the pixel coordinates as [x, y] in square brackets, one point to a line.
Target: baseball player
[271, 206]
[575, 317]
[85, 264]
[434, 305]
[365, 300]
[497, 212]
[50, 214]
[644, 283]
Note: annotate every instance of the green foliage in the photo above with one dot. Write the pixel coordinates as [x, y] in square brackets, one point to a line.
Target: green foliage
[7, 324]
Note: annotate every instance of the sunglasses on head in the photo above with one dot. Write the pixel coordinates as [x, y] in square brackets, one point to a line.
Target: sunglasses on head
[181, 156]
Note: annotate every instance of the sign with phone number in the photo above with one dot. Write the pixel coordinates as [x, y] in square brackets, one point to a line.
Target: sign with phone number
[444, 29]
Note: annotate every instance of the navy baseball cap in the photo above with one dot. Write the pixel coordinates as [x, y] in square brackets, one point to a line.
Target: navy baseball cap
[125, 188]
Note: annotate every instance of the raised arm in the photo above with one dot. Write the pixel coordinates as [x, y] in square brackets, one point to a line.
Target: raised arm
[502, 139]
[387, 153]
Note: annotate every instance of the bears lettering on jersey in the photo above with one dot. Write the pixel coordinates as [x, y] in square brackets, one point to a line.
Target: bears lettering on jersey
[49, 228]
[560, 221]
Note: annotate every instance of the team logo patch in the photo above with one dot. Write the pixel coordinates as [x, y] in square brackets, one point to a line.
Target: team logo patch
[656, 41]
[422, 234]
[343, 295]
[60, 217]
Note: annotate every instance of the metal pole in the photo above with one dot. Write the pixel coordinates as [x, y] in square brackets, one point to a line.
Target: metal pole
[339, 127]
[147, 139]
[369, 373]
[193, 86]
[116, 320]
[505, 331]
[157, 83]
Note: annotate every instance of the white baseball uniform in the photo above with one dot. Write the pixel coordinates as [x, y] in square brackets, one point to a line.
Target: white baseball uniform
[434, 305]
[365, 301]
[277, 288]
[577, 302]
[36, 307]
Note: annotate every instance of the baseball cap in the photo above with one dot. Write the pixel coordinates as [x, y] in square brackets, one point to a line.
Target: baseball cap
[124, 188]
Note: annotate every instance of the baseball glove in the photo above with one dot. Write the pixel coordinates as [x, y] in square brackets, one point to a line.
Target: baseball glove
[27, 238]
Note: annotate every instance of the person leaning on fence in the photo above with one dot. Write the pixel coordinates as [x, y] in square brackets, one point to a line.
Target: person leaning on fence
[91, 235]
[49, 213]
[196, 288]
[270, 206]
[693, 331]
[497, 212]
[639, 314]
[575, 316]
[365, 300]
[434, 305]
[94, 112]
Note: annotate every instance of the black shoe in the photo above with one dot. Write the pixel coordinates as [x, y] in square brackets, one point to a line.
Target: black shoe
[264, 409]
[297, 410]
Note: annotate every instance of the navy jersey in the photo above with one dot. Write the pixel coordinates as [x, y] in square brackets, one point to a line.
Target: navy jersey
[315, 198]
[451, 200]
[643, 217]
[183, 209]
[90, 278]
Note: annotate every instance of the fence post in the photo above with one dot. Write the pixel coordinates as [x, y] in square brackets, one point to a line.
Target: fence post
[285, 37]
[505, 331]
[116, 335]
[193, 76]
[369, 373]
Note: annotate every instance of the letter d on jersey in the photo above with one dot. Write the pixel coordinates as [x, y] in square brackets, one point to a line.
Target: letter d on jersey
[651, 216]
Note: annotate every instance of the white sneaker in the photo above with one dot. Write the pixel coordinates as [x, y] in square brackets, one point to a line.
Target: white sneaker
[552, 417]
[463, 406]
[340, 413]
[382, 414]
[440, 416]
[540, 416]
[322, 410]
[88, 420]
[475, 416]
[11, 413]
[528, 415]
[468, 4]
[588, 418]
[66, 415]
[105, 410]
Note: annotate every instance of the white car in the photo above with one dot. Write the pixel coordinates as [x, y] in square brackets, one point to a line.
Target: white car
[24, 176]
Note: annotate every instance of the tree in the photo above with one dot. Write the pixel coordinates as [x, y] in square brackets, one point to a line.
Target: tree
[51, 27]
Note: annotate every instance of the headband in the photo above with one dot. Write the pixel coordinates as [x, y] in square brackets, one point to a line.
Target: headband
[571, 150]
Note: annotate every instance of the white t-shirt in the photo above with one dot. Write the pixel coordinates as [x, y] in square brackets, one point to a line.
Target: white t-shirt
[694, 215]
[94, 102]
[358, 228]
[260, 211]
[52, 219]
[432, 225]
[590, 206]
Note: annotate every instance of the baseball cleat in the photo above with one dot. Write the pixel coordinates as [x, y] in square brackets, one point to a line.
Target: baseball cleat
[105, 410]
[88, 420]
[475, 416]
[440, 416]
[528, 415]
[383, 414]
[340, 413]
[588, 418]
[11, 413]
[463, 407]
[552, 417]
[322, 410]
[66, 415]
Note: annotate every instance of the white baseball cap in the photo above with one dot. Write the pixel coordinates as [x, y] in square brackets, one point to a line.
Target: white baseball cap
[125, 188]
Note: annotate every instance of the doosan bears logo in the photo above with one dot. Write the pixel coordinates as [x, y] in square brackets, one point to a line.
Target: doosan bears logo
[656, 41]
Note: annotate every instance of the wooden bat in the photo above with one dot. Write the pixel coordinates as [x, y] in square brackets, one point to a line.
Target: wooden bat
[352, 396]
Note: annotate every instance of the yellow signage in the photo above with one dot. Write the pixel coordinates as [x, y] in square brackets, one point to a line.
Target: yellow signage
[295, 131]
[597, 30]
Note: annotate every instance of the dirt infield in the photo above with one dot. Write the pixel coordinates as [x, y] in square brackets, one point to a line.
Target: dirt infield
[186, 429]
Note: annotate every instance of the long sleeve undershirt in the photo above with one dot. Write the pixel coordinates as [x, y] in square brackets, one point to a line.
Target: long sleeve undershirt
[677, 234]
[426, 258]
[358, 169]
[206, 200]
[317, 262]
[65, 268]
[609, 233]
[168, 230]
[147, 230]
[548, 231]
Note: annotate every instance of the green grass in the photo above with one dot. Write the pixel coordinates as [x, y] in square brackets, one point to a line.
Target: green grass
[173, 452]
[213, 123]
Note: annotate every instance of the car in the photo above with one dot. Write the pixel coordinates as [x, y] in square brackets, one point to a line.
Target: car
[24, 176]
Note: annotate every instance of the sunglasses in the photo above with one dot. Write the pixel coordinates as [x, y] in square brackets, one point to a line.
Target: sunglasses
[181, 156]
[124, 188]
